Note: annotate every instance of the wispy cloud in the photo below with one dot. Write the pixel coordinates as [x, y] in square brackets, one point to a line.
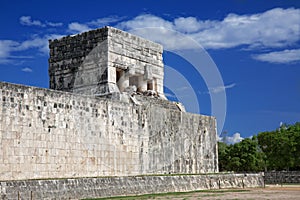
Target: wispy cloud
[222, 88]
[183, 88]
[28, 21]
[170, 95]
[76, 27]
[147, 20]
[38, 42]
[9, 47]
[54, 24]
[27, 69]
[280, 57]
[105, 21]
[6, 46]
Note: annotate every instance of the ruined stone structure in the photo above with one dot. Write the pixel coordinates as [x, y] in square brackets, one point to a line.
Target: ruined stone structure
[106, 115]
[105, 61]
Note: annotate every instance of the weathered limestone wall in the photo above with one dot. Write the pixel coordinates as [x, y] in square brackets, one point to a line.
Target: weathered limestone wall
[123, 186]
[52, 134]
[87, 63]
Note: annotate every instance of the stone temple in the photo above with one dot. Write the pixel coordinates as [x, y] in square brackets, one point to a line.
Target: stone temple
[105, 62]
[105, 114]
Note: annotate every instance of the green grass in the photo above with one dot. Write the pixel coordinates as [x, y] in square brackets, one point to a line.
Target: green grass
[283, 184]
[153, 196]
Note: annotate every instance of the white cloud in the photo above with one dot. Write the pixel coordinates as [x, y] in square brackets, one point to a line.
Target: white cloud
[105, 21]
[35, 42]
[54, 24]
[27, 69]
[268, 29]
[147, 20]
[41, 43]
[235, 138]
[274, 28]
[157, 29]
[6, 47]
[27, 21]
[170, 39]
[76, 27]
[280, 57]
[219, 89]
[9, 47]
[191, 24]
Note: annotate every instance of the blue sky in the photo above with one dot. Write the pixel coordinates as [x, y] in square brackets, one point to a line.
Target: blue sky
[255, 46]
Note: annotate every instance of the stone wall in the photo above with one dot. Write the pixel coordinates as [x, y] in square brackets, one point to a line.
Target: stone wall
[282, 177]
[122, 186]
[53, 134]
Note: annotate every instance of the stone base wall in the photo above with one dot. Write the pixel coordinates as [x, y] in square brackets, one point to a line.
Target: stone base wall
[123, 186]
[282, 177]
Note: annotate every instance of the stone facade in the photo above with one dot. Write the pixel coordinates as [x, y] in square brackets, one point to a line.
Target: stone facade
[105, 61]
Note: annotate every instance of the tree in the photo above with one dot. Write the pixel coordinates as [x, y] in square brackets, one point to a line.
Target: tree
[241, 157]
[281, 147]
[222, 153]
[271, 150]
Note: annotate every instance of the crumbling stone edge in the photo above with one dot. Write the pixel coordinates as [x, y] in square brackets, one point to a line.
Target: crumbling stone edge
[78, 188]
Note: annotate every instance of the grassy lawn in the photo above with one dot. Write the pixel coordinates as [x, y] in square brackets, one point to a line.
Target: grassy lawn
[172, 195]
